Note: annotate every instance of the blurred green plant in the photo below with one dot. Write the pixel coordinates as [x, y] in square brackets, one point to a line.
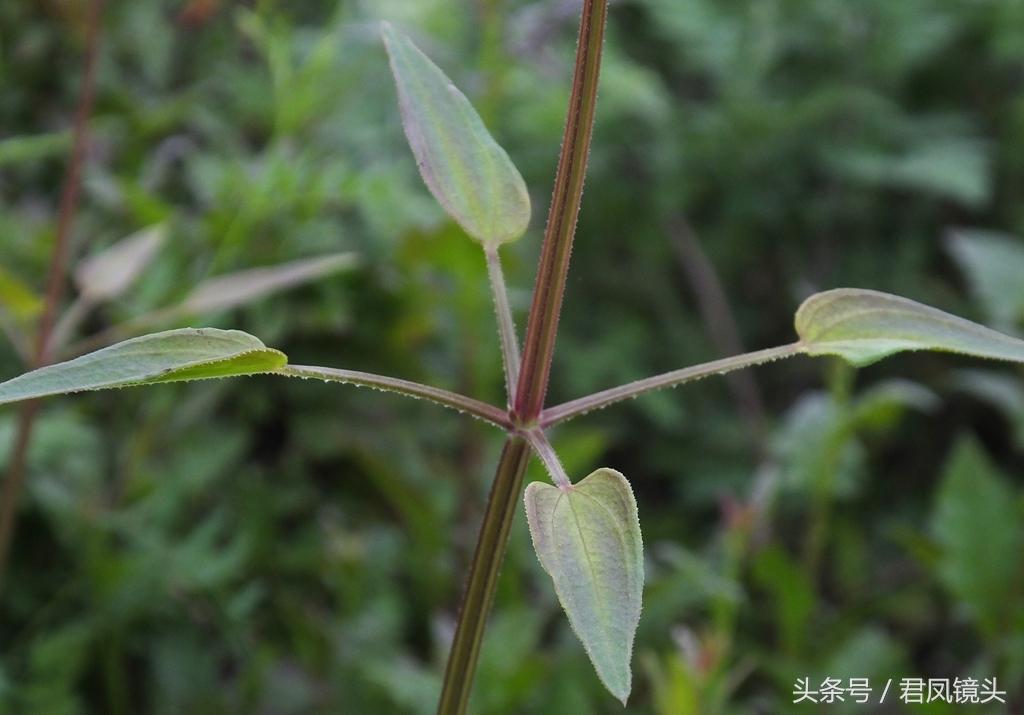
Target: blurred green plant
[592, 546]
[757, 124]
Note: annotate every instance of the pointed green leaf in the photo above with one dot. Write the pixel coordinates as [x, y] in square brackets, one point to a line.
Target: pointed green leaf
[863, 326]
[186, 354]
[587, 538]
[464, 168]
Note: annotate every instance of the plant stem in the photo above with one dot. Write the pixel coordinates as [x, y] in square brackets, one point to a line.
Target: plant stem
[55, 281]
[536, 367]
[483, 576]
[549, 290]
[446, 398]
[547, 454]
[506, 324]
[600, 400]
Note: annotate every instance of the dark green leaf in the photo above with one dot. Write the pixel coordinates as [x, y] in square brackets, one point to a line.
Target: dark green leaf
[977, 525]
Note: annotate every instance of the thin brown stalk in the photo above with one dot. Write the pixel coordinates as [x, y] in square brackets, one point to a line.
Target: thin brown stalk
[56, 279]
[720, 323]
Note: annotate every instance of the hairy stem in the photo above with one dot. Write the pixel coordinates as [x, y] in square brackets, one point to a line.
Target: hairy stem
[600, 400]
[55, 281]
[446, 398]
[483, 576]
[536, 365]
[547, 454]
[506, 324]
[553, 271]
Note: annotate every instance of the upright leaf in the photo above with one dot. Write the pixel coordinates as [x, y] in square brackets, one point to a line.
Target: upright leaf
[993, 264]
[863, 326]
[587, 538]
[109, 273]
[174, 355]
[464, 168]
[977, 524]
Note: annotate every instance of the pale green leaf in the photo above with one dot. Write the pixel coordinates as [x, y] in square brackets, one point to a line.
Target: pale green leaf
[464, 168]
[185, 354]
[863, 326]
[993, 264]
[239, 288]
[587, 538]
[109, 273]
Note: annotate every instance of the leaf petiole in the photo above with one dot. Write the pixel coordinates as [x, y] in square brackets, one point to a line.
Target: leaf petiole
[506, 323]
[546, 453]
[453, 400]
[599, 400]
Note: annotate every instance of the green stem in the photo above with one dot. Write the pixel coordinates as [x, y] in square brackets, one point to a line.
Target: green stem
[542, 328]
[506, 324]
[483, 576]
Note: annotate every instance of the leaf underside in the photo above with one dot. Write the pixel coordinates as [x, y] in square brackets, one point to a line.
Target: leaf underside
[863, 326]
[587, 538]
[463, 166]
[170, 356]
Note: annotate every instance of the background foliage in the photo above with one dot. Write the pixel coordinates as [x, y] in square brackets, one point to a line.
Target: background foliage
[264, 546]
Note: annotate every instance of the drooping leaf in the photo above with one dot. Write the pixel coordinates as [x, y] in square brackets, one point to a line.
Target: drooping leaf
[863, 326]
[587, 538]
[111, 272]
[174, 355]
[239, 288]
[464, 168]
[993, 263]
[977, 524]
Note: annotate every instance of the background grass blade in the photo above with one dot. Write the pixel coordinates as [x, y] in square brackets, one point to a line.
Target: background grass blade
[241, 287]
